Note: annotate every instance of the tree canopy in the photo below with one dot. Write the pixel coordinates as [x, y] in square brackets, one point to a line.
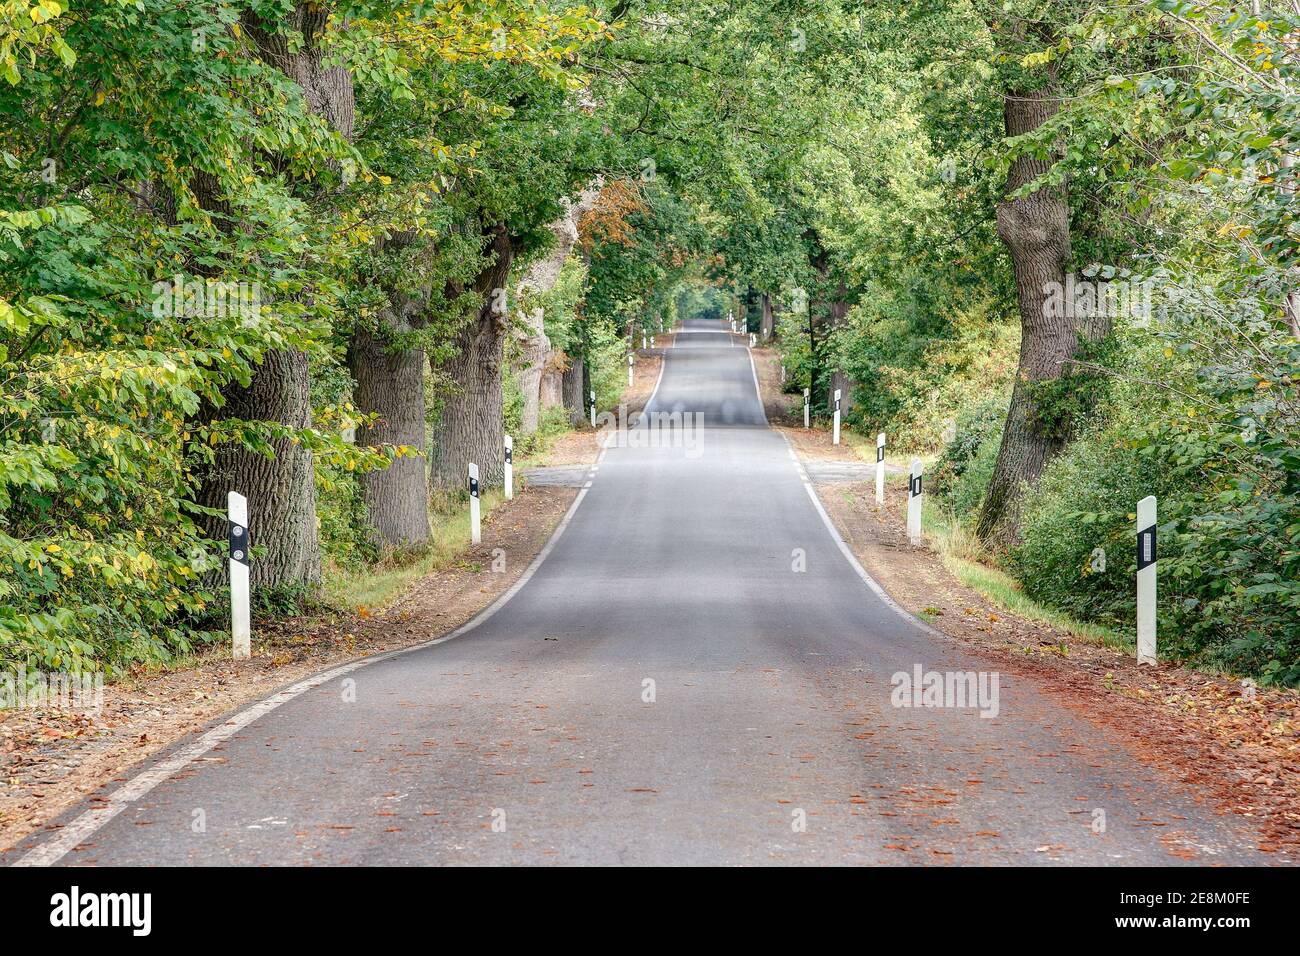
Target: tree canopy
[329, 252]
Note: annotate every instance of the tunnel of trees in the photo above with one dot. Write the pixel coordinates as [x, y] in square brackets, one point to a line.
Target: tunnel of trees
[329, 253]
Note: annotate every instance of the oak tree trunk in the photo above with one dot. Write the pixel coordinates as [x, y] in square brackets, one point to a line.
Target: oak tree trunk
[767, 320]
[470, 428]
[536, 361]
[390, 384]
[551, 393]
[1036, 231]
[281, 490]
[534, 355]
[574, 389]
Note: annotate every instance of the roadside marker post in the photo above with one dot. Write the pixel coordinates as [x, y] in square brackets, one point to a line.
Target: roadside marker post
[629, 371]
[1146, 580]
[836, 439]
[475, 531]
[593, 408]
[880, 468]
[805, 407]
[914, 502]
[753, 340]
[645, 342]
[510, 468]
[241, 628]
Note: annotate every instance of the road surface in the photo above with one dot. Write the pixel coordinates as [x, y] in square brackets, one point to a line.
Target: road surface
[768, 735]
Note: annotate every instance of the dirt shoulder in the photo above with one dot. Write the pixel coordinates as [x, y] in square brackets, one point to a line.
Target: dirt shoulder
[49, 760]
[582, 445]
[1237, 744]
[782, 410]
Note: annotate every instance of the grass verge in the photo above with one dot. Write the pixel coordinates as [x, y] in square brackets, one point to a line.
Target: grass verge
[380, 584]
[969, 563]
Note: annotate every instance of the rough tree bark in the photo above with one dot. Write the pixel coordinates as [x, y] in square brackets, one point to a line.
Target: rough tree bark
[533, 358]
[390, 384]
[551, 391]
[767, 319]
[281, 491]
[836, 309]
[1036, 231]
[574, 389]
[389, 381]
[536, 360]
[470, 427]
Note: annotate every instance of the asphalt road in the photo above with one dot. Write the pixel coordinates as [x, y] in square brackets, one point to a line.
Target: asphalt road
[532, 739]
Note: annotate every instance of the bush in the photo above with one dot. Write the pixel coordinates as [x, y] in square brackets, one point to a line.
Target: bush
[1077, 550]
[915, 373]
[1227, 597]
[961, 474]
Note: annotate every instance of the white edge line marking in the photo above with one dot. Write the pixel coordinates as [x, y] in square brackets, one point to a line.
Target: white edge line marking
[758, 390]
[849, 556]
[663, 364]
[87, 823]
[867, 579]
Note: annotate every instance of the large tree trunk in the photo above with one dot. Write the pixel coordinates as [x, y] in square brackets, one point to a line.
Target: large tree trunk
[575, 395]
[536, 357]
[835, 309]
[838, 311]
[767, 319]
[551, 393]
[536, 352]
[1036, 231]
[281, 491]
[390, 384]
[470, 429]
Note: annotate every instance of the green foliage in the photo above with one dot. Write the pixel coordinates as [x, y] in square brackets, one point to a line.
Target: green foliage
[849, 170]
[962, 471]
[917, 368]
[1061, 404]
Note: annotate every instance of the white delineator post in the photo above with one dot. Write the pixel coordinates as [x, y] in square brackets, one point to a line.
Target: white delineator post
[880, 468]
[806, 399]
[1146, 580]
[510, 467]
[629, 371]
[836, 439]
[914, 502]
[753, 340]
[475, 530]
[593, 408]
[241, 628]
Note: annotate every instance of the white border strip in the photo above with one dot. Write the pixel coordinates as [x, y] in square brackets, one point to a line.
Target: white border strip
[663, 364]
[870, 582]
[758, 389]
[89, 822]
[86, 824]
[849, 556]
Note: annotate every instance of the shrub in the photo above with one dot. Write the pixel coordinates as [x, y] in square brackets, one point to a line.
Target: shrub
[962, 471]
